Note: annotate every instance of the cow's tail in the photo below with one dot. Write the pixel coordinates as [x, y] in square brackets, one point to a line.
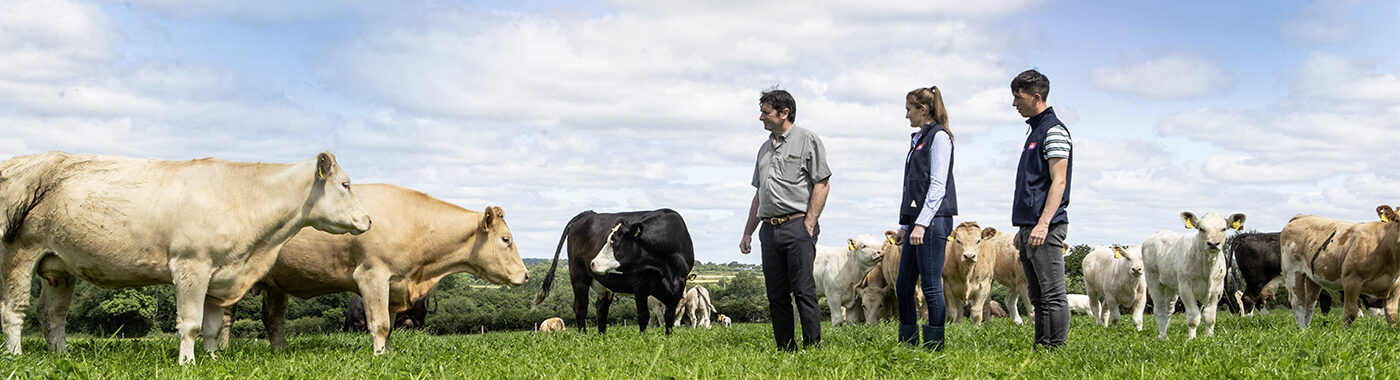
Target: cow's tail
[549, 278]
[1232, 269]
[24, 182]
[705, 293]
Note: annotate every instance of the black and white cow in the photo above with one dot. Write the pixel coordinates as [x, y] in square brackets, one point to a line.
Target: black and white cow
[1257, 260]
[644, 253]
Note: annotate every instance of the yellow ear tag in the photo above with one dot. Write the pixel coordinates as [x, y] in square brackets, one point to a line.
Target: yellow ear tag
[1117, 253]
[1237, 225]
[890, 239]
[852, 245]
[1189, 225]
[1385, 218]
[638, 233]
[319, 175]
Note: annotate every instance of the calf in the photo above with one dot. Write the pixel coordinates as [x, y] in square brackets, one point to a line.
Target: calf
[697, 299]
[722, 320]
[552, 325]
[1078, 303]
[1190, 265]
[645, 253]
[415, 317]
[876, 290]
[837, 270]
[1357, 258]
[967, 271]
[1112, 277]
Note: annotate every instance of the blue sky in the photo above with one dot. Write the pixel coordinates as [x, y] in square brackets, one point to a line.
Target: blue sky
[551, 108]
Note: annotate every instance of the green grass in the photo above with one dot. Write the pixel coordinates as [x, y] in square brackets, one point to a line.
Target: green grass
[1257, 347]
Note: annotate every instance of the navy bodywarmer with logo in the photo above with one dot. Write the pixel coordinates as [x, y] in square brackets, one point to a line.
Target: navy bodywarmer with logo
[1033, 175]
[916, 179]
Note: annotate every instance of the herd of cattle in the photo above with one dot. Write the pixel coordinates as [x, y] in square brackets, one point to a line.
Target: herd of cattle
[217, 229]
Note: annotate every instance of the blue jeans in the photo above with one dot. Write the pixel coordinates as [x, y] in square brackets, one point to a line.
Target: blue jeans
[924, 261]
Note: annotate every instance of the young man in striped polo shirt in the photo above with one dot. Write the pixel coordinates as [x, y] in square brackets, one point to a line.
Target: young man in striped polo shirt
[1042, 194]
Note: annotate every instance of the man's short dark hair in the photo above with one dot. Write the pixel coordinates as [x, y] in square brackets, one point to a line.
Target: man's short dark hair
[780, 99]
[1032, 82]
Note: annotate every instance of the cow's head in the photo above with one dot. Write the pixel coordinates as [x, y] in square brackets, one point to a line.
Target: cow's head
[1211, 228]
[333, 207]
[624, 237]
[866, 250]
[889, 249]
[966, 240]
[495, 254]
[1134, 256]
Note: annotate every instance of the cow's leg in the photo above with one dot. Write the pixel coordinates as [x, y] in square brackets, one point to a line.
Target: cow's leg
[837, 316]
[14, 302]
[274, 316]
[1351, 300]
[374, 288]
[580, 304]
[226, 325]
[1208, 310]
[979, 301]
[643, 312]
[605, 298]
[191, 279]
[1163, 302]
[55, 296]
[671, 308]
[1013, 296]
[1095, 306]
[1193, 309]
[1311, 291]
[1113, 315]
[213, 321]
[1139, 304]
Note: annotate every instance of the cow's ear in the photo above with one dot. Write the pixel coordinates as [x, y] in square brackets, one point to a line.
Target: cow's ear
[851, 244]
[1237, 222]
[691, 277]
[1189, 219]
[488, 218]
[988, 233]
[325, 164]
[635, 230]
[1387, 214]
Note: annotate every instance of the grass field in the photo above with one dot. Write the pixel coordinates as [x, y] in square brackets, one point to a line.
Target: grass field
[1256, 347]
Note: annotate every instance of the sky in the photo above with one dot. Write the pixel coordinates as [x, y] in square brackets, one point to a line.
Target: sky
[550, 108]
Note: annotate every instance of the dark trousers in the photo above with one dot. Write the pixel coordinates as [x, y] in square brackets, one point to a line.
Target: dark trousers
[788, 253]
[1045, 276]
[924, 261]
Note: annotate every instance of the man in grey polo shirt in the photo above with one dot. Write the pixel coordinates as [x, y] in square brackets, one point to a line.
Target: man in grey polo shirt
[791, 176]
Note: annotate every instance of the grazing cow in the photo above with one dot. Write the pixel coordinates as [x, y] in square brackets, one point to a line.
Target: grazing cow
[1078, 303]
[645, 253]
[414, 318]
[210, 227]
[722, 320]
[552, 325]
[658, 311]
[696, 299]
[967, 271]
[419, 240]
[1191, 266]
[876, 290]
[1112, 277]
[994, 310]
[1008, 272]
[1357, 258]
[837, 270]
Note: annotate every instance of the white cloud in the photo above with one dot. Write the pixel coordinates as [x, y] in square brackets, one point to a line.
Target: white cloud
[1333, 77]
[1172, 76]
[1322, 22]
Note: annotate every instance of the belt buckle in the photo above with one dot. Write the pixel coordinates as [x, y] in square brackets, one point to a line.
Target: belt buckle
[776, 220]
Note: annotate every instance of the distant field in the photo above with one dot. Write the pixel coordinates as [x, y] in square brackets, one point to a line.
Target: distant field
[1257, 347]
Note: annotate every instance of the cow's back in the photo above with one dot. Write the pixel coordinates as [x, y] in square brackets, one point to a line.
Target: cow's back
[1310, 245]
[1008, 269]
[1164, 256]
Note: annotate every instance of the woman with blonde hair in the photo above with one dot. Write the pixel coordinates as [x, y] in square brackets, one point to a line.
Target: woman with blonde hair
[926, 216]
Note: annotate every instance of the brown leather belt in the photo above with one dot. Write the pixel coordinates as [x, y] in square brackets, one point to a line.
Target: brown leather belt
[783, 219]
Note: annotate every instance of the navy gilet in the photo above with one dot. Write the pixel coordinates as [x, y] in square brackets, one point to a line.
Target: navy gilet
[916, 179]
[1033, 175]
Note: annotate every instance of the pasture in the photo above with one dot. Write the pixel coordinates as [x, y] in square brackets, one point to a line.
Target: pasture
[1268, 346]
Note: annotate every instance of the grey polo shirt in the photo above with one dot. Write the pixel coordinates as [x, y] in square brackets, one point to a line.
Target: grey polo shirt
[786, 169]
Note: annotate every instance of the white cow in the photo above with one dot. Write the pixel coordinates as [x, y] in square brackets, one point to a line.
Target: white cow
[722, 320]
[1078, 303]
[211, 227]
[696, 299]
[1189, 265]
[837, 270]
[1112, 277]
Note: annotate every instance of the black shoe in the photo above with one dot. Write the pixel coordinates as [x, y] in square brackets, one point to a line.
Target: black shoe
[933, 338]
[909, 334]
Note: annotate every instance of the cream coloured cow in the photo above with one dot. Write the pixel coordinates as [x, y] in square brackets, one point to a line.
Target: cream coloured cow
[1188, 265]
[1112, 277]
[210, 227]
[1078, 303]
[696, 300]
[722, 320]
[967, 271]
[1008, 272]
[876, 291]
[657, 318]
[1357, 258]
[417, 241]
[555, 324]
[837, 270]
